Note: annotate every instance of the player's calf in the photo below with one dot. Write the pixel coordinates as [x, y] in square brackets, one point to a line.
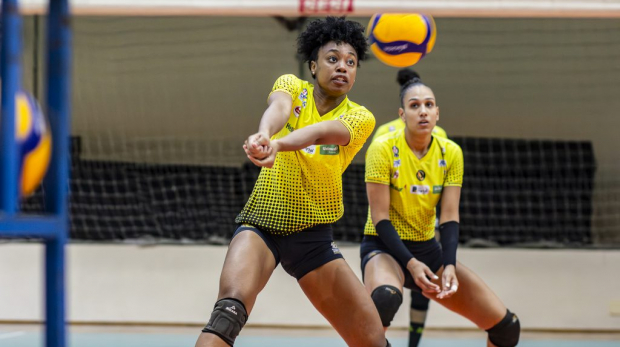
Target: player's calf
[227, 319]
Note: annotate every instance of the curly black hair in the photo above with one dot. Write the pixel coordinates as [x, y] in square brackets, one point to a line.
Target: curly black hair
[337, 29]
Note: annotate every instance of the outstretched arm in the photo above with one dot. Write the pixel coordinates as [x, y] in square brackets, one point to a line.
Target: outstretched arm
[331, 132]
[273, 120]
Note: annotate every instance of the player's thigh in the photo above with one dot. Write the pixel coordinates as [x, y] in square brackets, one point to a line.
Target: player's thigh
[474, 299]
[383, 269]
[340, 297]
[248, 266]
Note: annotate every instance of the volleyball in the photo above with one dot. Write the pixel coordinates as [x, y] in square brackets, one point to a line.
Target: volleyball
[401, 40]
[34, 142]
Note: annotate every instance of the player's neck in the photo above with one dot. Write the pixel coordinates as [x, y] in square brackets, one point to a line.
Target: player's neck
[325, 103]
[419, 145]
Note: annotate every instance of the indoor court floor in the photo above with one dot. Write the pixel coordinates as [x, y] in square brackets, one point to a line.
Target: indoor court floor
[24, 335]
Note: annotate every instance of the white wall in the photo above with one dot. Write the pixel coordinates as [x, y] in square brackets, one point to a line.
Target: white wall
[549, 289]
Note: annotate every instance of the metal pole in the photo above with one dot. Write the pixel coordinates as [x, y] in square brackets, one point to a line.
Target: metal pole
[57, 179]
[11, 75]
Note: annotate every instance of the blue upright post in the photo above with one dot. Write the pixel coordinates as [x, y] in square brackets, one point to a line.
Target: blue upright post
[57, 179]
[11, 75]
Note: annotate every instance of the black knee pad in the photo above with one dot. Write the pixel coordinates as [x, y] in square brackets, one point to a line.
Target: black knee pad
[387, 299]
[506, 332]
[227, 320]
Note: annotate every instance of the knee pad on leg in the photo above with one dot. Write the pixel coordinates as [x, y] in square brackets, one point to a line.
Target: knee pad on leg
[227, 319]
[506, 332]
[387, 299]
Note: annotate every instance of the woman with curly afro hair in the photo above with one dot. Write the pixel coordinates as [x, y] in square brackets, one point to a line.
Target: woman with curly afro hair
[306, 138]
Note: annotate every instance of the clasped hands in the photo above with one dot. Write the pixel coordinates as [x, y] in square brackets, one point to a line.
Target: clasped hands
[261, 150]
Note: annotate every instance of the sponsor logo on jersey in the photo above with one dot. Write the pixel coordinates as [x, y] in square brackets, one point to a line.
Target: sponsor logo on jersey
[397, 163]
[310, 149]
[396, 174]
[420, 190]
[297, 111]
[396, 188]
[329, 149]
[303, 96]
[420, 175]
[289, 127]
[442, 163]
[335, 248]
[392, 128]
[437, 189]
[395, 151]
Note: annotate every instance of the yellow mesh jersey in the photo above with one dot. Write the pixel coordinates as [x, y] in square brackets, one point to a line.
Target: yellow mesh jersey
[398, 124]
[304, 188]
[415, 184]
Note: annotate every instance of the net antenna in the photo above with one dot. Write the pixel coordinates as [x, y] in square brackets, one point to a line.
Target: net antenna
[53, 226]
[313, 7]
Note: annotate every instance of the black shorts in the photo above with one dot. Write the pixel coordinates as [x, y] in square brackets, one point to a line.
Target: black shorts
[428, 252]
[301, 252]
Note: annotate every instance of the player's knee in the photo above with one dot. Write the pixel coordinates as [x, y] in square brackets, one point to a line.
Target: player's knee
[227, 319]
[506, 332]
[387, 299]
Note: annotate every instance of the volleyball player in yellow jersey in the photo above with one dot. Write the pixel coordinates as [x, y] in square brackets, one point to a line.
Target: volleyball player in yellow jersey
[407, 173]
[307, 137]
[419, 303]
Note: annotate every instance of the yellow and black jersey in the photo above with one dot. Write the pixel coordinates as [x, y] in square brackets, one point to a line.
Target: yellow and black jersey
[415, 184]
[398, 124]
[304, 188]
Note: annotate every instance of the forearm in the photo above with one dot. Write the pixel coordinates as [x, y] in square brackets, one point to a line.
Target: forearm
[274, 118]
[449, 238]
[300, 139]
[388, 234]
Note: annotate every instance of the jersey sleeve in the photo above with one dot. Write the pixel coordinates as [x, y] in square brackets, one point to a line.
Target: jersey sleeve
[360, 122]
[454, 176]
[289, 84]
[378, 163]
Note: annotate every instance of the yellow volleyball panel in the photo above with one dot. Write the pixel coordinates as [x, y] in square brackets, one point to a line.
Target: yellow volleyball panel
[35, 165]
[24, 116]
[401, 27]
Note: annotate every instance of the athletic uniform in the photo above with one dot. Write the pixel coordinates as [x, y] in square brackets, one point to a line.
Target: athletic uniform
[415, 189]
[294, 203]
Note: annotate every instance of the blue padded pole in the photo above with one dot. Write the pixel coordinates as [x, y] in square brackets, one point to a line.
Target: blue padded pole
[11, 74]
[57, 179]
